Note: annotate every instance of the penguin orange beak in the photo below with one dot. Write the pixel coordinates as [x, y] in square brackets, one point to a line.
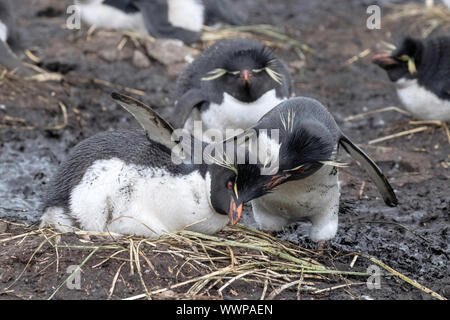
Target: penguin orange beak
[246, 75]
[383, 60]
[277, 180]
[235, 212]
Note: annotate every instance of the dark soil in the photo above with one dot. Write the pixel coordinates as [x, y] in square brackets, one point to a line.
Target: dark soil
[412, 238]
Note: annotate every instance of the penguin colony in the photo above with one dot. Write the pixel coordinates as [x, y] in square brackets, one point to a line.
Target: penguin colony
[124, 181]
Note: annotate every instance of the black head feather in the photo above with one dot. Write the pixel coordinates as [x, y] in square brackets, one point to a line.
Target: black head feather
[308, 143]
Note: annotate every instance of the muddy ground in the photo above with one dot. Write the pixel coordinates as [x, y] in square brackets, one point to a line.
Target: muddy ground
[34, 137]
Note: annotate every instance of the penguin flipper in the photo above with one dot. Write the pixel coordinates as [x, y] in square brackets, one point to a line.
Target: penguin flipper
[155, 15]
[156, 128]
[185, 104]
[374, 172]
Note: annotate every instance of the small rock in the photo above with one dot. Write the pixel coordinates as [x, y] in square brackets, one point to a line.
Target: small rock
[125, 53]
[109, 55]
[169, 51]
[140, 60]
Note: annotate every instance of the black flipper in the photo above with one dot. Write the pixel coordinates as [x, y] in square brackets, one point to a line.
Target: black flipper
[156, 128]
[156, 14]
[374, 172]
[184, 107]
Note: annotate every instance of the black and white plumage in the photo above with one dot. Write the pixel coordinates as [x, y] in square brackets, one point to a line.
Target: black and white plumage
[126, 182]
[420, 70]
[178, 19]
[11, 38]
[230, 85]
[306, 182]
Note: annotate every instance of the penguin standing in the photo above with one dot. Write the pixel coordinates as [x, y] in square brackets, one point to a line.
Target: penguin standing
[420, 70]
[306, 182]
[230, 85]
[178, 19]
[126, 181]
[11, 39]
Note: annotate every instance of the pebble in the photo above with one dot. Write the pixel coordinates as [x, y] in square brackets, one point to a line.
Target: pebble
[140, 60]
[168, 51]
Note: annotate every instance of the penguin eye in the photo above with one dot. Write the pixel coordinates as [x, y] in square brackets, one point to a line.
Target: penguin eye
[230, 185]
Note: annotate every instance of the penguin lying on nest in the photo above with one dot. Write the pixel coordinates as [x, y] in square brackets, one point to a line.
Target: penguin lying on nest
[420, 70]
[230, 85]
[11, 39]
[306, 182]
[178, 19]
[127, 182]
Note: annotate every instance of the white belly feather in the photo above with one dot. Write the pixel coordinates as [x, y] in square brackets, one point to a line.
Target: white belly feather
[128, 199]
[423, 104]
[315, 198]
[186, 14]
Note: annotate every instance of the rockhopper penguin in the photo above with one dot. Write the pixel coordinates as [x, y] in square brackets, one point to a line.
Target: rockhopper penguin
[420, 70]
[230, 85]
[126, 182]
[306, 183]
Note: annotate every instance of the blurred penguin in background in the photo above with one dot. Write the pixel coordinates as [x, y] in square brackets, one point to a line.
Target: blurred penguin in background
[420, 70]
[176, 19]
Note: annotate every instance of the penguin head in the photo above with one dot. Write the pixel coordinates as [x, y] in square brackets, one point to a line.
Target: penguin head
[245, 69]
[304, 150]
[232, 187]
[403, 62]
[304, 147]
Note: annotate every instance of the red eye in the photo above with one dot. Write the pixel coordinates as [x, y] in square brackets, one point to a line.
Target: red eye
[301, 171]
[230, 185]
